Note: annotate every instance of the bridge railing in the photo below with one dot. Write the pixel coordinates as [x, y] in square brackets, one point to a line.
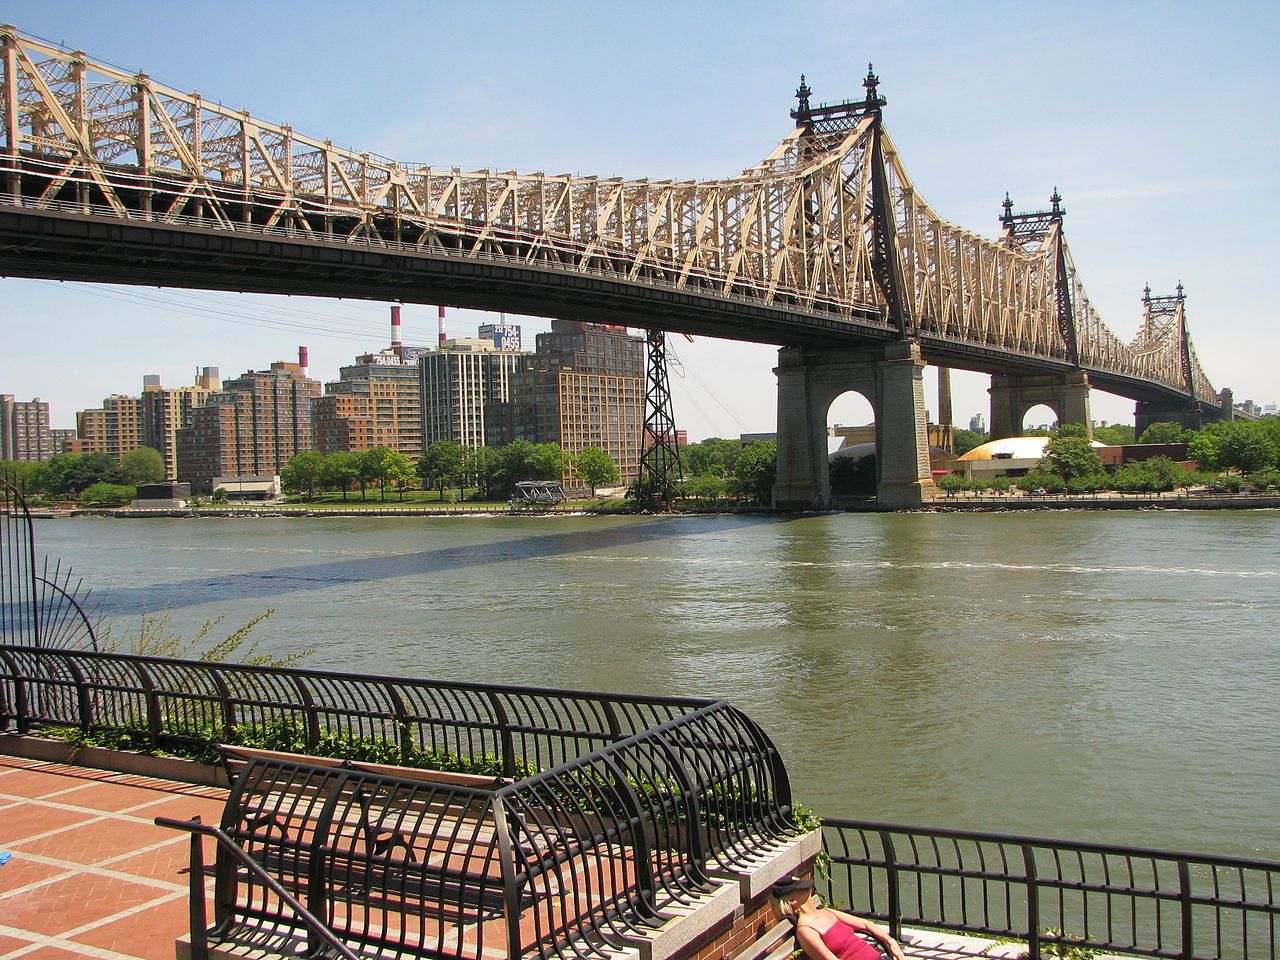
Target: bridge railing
[1056, 894]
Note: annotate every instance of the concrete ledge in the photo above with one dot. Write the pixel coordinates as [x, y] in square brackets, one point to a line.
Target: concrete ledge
[775, 861]
[116, 761]
[689, 922]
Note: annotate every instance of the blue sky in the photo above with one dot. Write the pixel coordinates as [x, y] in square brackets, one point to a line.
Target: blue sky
[1157, 121]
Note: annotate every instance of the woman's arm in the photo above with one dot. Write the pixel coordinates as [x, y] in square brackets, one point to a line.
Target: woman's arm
[862, 925]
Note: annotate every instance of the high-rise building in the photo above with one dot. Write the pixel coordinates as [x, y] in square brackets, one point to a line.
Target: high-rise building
[115, 428]
[461, 381]
[584, 388]
[376, 402]
[253, 426]
[24, 429]
[166, 410]
[977, 424]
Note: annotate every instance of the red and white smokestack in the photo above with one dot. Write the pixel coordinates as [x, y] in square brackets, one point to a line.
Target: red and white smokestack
[443, 337]
[304, 367]
[396, 342]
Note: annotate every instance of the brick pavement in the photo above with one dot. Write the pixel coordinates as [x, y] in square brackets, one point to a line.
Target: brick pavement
[91, 875]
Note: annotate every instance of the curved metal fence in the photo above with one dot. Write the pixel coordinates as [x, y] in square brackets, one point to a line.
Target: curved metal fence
[601, 811]
[174, 704]
[1057, 895]
[39, 604]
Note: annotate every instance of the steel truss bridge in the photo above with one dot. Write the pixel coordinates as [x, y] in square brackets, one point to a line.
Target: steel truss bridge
[107, 176]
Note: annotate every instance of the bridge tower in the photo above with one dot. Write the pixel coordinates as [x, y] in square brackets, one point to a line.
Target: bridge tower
[889, 376]
[1164, 321]
[1066, 394]
[660, 451]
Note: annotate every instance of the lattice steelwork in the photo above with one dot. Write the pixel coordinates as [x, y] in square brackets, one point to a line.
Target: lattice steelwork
[829, 223]
[660, 459]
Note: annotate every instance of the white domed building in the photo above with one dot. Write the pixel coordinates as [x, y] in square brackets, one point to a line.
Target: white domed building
[1010, 457]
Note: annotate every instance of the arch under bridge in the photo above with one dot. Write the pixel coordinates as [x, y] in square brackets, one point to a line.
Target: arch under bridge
[823, 248]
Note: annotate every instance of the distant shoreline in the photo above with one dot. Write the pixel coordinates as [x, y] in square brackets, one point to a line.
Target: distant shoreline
[960, 504]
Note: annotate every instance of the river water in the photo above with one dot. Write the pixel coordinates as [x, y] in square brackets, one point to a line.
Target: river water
[1092, 675]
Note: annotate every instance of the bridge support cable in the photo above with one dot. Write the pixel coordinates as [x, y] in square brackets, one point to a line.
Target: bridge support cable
[660, 468]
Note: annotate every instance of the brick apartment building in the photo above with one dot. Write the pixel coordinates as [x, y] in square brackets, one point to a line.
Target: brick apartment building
[253, 426]
[583, 387]
[24, 429]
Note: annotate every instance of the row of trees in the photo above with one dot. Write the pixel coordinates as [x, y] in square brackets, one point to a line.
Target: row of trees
[72, 476]
[490, 472]
[1231, 455]
[718, 468]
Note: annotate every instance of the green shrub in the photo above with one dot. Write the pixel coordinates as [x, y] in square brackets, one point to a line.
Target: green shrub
[108, 494]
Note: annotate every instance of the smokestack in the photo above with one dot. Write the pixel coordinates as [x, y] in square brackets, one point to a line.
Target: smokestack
[396, 342]
[442, 333]
[303, 365]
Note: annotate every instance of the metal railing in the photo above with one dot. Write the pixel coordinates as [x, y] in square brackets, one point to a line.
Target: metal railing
[566, 863]
[40, 605]
[168, 703]
[226, 847]
[617, 809]
[1057, 893]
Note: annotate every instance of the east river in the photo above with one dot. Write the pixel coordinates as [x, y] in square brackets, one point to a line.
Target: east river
[1104, 676]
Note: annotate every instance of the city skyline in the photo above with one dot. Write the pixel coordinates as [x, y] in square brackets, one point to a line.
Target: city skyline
[1104, 120]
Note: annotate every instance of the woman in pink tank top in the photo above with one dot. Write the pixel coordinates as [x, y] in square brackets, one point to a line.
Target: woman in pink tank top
[827, 934]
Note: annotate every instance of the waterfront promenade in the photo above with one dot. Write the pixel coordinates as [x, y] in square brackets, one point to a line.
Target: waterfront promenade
[91, 875]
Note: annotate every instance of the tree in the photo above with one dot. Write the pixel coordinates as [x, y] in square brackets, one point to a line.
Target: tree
[368, 467]
[1249, 447]
[442, 465]
[305, 471]
[547, 461]
[1069, 455]
[28, 477]
[71, 473]
[143, 465]
[1115, 435]
[379, 465]
[401, 472]
[596, 467]
[1163, 432]
[482, 466]
[703, 486]
[340, 471]
[966, 440]
[511, 464]
[714, 457]
[1202, 446]
[755, 470]
[108, 494]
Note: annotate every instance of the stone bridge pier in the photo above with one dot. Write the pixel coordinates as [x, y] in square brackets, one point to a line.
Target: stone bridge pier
[1066, 394]
[892, 380]
[1186, 414]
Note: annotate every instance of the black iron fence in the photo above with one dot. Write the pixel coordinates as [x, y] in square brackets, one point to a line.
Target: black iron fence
[1057, 895]
[609, 810]
[183, 704]
[41, 603]
[564, 863]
